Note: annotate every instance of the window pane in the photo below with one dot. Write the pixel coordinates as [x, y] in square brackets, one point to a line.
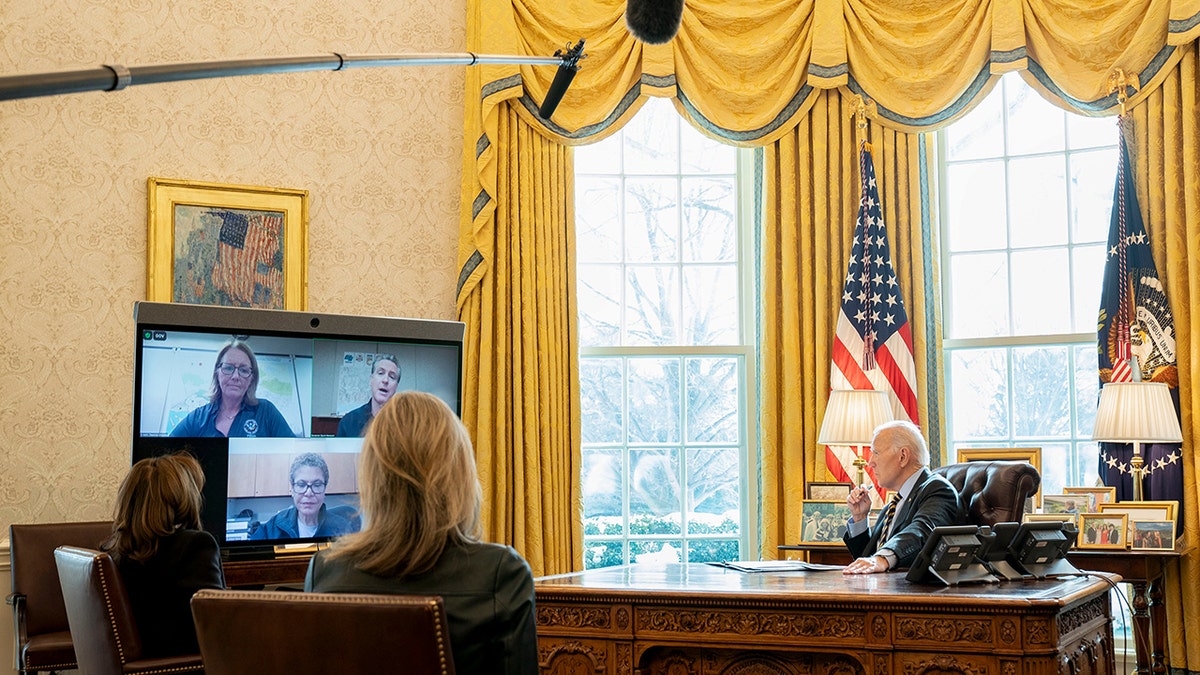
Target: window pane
[710, 233]
[712, 492]
[656, 552]
[1093, 177]
[654, 491]
[598, 219]
[1087, 268]
[710, 303]
[1056, 467]
[703, 155]
[1041, 292]
[712, 388]
[979, 393]
[1087, 389]
[652, 144]
[652, 305]
[601, 487]
[977, 219]
[1038, 409]
[599, 158]
[598, 554]
[1091, 132]
[1042, 127]
[599, 291]
[1087, 458]
[979, 295]
[654, 401]
[713, 550]
[979, 133]
[651, 220]
[1037, 203]
[600, 399]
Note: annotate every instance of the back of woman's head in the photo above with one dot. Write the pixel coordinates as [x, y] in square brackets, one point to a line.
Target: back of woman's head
[158, 496]
[418, 487]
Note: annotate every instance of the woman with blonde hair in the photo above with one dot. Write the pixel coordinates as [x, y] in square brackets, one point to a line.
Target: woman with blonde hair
[161, 551]
[420, 501]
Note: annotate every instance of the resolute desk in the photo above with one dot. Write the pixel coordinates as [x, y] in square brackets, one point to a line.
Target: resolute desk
[696, 618]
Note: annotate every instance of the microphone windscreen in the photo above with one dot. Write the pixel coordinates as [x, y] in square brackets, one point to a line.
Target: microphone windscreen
[653, 21]
[562, 80]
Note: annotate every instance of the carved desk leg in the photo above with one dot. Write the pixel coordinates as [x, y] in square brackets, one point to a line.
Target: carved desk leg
[1158, 627]
[1141, 626]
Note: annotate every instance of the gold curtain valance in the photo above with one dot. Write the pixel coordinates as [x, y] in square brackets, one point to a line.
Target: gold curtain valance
[747, 71]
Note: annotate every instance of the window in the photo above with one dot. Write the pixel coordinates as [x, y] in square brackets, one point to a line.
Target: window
[1027, 197]
[663, 350]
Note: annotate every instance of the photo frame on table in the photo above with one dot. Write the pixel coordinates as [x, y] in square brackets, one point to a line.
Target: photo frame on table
[1144, 510]
[1099, 495]
[1072, 518]
[826, 491]
[1066, 503]
[1152, 535]
[1103, 531]
[230, 245]
[823, 521]
[1031, 455]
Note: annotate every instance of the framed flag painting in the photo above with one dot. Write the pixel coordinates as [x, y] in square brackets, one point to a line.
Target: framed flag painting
[230, 245]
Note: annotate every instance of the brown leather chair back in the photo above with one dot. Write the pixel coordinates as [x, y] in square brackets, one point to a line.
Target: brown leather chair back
[43, 640]
[258, 632]
[102, 624]
[993, 491]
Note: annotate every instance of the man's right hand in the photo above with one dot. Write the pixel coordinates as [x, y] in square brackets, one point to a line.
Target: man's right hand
[859, 501]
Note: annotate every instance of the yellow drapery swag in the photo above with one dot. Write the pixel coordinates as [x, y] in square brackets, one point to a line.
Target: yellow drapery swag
[764, 74]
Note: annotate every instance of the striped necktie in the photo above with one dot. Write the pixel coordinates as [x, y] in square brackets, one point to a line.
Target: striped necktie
[888, 514]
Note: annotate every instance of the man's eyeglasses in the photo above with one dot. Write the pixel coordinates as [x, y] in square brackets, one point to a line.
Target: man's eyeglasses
[228, 370]
[317, 486]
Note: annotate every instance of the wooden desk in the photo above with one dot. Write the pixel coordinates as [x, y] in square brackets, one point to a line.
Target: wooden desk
[703, 619]
[282, 570]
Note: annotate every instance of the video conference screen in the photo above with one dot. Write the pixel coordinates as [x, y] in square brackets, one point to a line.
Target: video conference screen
[274, 404]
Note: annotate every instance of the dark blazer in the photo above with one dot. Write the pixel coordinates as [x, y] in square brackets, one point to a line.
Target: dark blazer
[488, 593]
[934, 502]
[286, 525]
[160, 590]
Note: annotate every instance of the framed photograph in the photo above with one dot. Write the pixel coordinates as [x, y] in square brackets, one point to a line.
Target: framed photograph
[1066, 504]
[1102, 530]
[1152, 535]
[229, 245]
[823, 521]
[827, 491]
[1031, 455]
[1072, 518]
[1098, 495]
[1158, 510]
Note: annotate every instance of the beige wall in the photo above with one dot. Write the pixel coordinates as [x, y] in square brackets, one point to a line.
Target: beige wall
[378, 149]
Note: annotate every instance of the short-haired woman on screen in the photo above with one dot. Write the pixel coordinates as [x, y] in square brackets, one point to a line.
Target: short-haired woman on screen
[234, 409]
[420, 500]
[161, 551]
[308, 515]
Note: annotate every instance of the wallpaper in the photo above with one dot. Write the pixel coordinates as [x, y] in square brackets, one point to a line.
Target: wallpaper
[378, 150]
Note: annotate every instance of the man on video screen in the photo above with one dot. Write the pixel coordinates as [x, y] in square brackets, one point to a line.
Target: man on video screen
[385, 377]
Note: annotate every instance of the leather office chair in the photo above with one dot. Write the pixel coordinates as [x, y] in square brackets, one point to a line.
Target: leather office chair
[993, 491]
[102, 624]
[43, 639]
[284, 633]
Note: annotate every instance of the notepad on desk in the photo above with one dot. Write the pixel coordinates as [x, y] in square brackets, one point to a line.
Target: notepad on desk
[776, 566]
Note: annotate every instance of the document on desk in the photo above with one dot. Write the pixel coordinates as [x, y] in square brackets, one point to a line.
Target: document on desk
[776, 566]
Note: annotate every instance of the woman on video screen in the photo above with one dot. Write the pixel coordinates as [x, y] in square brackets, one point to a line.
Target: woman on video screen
[233, 410]
[308, 515]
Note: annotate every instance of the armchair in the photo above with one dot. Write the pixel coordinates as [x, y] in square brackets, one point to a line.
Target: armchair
[993, 491]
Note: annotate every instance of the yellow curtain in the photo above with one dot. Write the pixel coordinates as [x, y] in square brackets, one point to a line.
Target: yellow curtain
[521, 384]
[1166, 166]
[812, 193]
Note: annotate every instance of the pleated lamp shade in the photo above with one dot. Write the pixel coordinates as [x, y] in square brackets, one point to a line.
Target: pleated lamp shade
[1136, 411]
[852, 415]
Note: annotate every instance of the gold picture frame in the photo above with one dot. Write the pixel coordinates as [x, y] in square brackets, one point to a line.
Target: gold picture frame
[1072, 518]
[1093, 526]
[1099, 495]
[1152, 535]
[823, 521]
[827, 490]
[232, 245]
[1143, 510]
[1031, 455]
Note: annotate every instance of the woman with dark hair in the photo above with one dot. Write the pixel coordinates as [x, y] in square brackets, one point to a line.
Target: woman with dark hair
[420, 501]
[163, 555]
[234, 409]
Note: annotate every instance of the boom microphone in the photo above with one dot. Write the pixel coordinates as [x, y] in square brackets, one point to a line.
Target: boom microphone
[653, 21]
[562, 78]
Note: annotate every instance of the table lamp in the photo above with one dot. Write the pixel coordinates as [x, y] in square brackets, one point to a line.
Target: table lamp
[1136, 412]
[850, 419]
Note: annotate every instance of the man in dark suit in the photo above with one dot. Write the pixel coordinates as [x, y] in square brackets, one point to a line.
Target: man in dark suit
[920, 501]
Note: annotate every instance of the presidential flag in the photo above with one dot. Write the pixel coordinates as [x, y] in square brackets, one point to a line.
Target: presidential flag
[872, 346]
[249, 267]
[1136, 332]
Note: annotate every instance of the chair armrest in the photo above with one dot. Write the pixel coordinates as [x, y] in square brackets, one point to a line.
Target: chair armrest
[17, 600]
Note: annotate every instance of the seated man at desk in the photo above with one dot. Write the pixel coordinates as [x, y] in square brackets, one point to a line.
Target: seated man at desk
[921, 500]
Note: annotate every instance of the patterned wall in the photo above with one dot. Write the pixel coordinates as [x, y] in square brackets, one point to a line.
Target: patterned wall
[378, 149]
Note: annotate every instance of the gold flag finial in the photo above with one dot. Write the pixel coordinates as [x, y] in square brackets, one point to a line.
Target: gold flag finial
[1119, 81]
[861, 108]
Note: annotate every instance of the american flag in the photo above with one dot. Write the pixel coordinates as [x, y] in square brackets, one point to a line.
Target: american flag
[872, 347]
[1136, 329]
[249, 267]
